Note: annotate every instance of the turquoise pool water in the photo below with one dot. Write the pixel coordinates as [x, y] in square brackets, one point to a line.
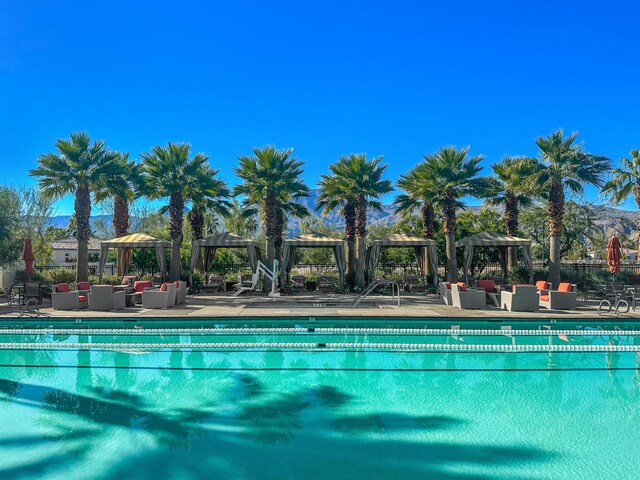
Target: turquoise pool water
[310, 402]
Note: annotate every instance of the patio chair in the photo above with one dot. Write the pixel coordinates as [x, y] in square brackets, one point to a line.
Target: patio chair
[467, 299]
[103, 298]
[325, 284]
[413, 284]
[215, 284]
[491, 290]
[127, 282]
[63, 298]
[445, 292]
[164, 297]
[564, 298]
[181, 292]
[32, 290]
[246, 286]
[84, 287]
[298, 283]
[543, 287]
[156, 281]
[522, 298]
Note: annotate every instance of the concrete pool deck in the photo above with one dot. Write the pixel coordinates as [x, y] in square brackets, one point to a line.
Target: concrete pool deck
[321, 305]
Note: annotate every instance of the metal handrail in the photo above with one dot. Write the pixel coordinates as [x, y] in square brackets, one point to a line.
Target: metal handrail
[375, 285]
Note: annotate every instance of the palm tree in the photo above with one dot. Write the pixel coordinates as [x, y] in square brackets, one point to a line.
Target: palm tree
[78, 167]
[507, 188]
[563, 164]
[271, 183]
[240, 222]
[171, 172]
[208, 195]
[625, 180]
[120, 188]
[456, 175]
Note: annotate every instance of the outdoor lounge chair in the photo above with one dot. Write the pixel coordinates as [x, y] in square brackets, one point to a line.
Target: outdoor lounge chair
[325, 284]
[215, 284]
[297, 283]
[181, 291]
[413, 284]
[522, 298]
[445, 292]
[103, 298]
[163, 298]
[32, 290]
[63, 298]
[564, 298]
[467, 299]
[127, 282]
[246, 286]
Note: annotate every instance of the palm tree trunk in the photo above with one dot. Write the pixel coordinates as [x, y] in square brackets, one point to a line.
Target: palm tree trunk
[511, 220]
[556, 213]
[196, 221]
[279, 233]
[449, 226]
[637, 196]
[350, 236]
[120, 216]
[270, 208]
[428, 231]
[176, 214]
[361, 233]
[82, 208]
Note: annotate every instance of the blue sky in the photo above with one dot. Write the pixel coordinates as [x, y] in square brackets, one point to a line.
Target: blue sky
[398, 79]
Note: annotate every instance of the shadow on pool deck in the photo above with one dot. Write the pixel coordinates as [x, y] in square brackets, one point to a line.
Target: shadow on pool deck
[298, 434]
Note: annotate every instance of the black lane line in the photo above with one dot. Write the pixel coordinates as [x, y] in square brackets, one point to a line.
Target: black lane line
[325, 369]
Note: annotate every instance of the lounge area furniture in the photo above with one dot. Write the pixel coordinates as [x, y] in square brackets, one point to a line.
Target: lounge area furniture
[444, 288]
[84, 287]
[522, 298]
[297, 283]
[127, 282]
[491, 291]
[181, 292]
[564, 298]
[139, 287]
[413, 284]
[63, 298]
[164, 297]
[325, 284]
[463, 298]
[104, 298]
[214, 285]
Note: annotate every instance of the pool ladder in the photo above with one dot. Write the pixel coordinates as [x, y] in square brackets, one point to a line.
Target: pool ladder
[395, 291]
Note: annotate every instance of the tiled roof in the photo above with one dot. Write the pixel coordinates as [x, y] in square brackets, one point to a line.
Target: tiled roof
[72, 244]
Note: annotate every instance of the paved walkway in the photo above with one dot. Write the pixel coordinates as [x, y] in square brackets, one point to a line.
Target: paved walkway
[319, 305]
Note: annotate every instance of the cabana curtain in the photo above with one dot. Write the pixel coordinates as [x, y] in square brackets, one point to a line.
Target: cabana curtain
[223, 240]
[126, 244]
[419, 245]
[309, 240]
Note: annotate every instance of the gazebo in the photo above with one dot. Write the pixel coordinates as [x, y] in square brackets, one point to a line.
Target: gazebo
[424, 248]
[500, 241]
[125, 246]
[222, 240]
[311, 240]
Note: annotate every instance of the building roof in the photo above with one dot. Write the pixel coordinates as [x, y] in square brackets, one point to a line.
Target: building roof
[72, 244]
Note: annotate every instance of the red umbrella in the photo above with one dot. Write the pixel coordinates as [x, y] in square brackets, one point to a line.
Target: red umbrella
[613, 255]
[27, 256]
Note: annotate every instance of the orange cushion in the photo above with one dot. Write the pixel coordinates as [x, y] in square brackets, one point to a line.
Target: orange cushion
[63, 288]
[462, 286]
[140, 285]
[544, 298]
[541, 284]
[565, 287]
[177, 282]
[488, 285]
[82, 298]
[84, 286]
[448, 284]
[164, 286]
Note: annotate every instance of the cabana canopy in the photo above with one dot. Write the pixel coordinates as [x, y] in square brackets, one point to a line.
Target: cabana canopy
[497, 240]
[311, 240]
[223, 240]
[424, 248]
[129, 242]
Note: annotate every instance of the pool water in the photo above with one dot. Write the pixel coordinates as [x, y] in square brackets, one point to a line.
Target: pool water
[225, 409]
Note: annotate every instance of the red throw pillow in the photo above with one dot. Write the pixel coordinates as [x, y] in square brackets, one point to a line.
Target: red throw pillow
[177, 284]
[448, 284]
[140, 285]
[84, 286]
[565, 287]
[462, 286]
[164, 286]
[541, 285]
[63, 288]
[488, 285]
[544, 298]
[82, 298]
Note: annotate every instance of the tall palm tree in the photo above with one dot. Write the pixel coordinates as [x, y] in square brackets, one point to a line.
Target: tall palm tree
[507, 188]
[208, 195]
[355, 185]
[240, 220]
[456, 174]
[171, 172]
[625, 180]
[563, 165]
[271, 183]
[78, 167]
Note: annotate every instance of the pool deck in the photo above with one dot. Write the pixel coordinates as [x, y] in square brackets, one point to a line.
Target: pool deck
[321, 305]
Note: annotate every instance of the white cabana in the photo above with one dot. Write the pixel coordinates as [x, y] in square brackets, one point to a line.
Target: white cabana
[125, 246]
[311, 240]
[223, 240]
[500, 241]
[424, 248]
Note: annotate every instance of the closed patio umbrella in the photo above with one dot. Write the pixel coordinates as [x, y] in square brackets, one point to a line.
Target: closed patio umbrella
[613, 255]
[27, 256]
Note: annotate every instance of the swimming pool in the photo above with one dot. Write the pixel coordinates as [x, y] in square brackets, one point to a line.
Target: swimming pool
[319, 398]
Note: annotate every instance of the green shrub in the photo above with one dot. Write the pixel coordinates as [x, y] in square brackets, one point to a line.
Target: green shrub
[106, 279]
[197, 280]
[59, 275]
[22, 276]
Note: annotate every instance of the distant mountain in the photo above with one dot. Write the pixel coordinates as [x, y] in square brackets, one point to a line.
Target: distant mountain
[62, 221]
